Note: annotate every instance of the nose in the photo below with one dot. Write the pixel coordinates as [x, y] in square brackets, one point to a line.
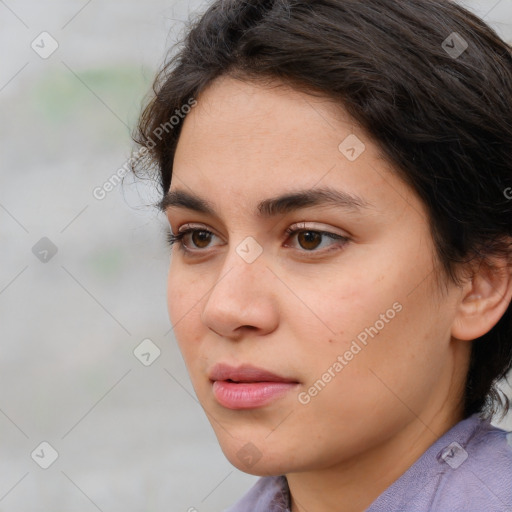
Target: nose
[242, 299]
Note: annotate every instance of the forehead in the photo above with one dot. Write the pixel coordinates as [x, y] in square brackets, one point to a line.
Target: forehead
[252, 116]
[248, 142]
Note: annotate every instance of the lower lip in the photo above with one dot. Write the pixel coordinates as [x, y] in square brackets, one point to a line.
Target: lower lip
[249, 395]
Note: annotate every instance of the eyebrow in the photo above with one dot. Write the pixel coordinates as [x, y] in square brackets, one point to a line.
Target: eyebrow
[272, 207]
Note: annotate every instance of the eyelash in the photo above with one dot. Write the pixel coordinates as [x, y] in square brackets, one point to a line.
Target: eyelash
[178, 238]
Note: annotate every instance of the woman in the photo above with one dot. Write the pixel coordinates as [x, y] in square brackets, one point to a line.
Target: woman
[335, 176]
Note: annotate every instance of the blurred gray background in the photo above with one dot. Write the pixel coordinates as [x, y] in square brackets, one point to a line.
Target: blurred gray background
[83, 280]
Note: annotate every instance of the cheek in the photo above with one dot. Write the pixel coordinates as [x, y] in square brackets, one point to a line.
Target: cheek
[378, 387]
[382, 324]
[393, 366]
[175, 295]
[348, 304]
[184, 295]
[184, 292]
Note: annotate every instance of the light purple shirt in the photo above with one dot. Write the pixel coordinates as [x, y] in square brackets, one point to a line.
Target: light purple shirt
[468, 469]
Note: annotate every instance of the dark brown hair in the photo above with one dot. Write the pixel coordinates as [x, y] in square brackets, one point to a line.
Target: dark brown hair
[427, 79]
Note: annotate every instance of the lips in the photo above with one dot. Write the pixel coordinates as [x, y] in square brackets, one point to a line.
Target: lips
[245, 373]
[247, 387]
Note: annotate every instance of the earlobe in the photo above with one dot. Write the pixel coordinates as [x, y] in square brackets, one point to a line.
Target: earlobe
[484, 299]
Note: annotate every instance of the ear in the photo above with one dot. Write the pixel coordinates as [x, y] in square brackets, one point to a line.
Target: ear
[484, 299]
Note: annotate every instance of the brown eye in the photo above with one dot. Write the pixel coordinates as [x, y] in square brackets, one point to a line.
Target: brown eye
[191, 241]
[312, 240]
[201, 239]
[309, 239]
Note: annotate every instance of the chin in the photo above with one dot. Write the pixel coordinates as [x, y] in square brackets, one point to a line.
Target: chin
[258, 464]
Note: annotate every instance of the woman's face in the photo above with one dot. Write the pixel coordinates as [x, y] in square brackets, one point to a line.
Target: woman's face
[343, 311]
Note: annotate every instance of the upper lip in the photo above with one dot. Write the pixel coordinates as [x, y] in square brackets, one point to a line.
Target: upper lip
[244, 373]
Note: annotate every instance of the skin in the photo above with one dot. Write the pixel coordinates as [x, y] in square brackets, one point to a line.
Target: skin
[293, 311]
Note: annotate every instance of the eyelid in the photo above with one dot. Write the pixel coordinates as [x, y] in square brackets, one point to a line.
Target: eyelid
[194, 225]
[190, 225]
[315, 226]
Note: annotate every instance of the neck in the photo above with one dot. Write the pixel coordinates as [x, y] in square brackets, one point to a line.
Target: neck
[353, 485]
